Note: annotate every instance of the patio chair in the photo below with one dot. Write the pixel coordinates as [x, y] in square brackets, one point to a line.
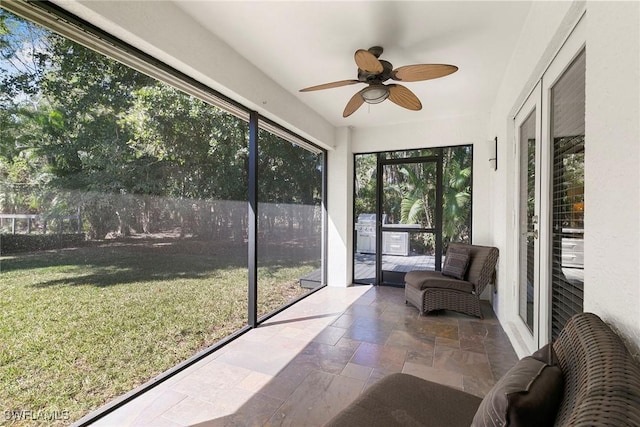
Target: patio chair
[458, 286]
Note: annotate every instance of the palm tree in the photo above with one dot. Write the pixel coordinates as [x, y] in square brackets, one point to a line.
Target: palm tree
[456, 195]
[418, 197]
[418, 194]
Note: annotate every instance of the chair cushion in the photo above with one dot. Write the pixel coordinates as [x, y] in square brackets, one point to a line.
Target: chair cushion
[456, 262]
[483, 261]
[529, 394]
[405, 400]
[434, 279]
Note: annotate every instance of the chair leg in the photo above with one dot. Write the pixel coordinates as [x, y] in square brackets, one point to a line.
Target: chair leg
[479, 307]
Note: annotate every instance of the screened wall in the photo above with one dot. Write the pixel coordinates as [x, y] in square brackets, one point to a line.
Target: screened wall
[417, 201]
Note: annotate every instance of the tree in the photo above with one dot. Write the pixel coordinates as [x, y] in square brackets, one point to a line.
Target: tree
[409, 192]
[289, 185]
[96, 132]
[456, 212]
[23, 174]
[134, 153]
[418, 194]
[365, 185]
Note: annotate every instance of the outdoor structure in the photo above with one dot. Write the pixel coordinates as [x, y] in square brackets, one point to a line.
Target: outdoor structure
[551, 57]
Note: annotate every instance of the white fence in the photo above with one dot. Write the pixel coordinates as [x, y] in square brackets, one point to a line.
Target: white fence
[26, 223]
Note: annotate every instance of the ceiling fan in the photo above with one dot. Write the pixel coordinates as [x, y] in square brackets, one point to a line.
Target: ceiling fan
[375, 72]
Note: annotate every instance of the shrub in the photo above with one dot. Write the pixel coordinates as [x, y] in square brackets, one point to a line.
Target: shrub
[14, 243]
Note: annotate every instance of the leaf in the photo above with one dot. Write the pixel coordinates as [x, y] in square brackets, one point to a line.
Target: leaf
[410, 210]
[56, 119]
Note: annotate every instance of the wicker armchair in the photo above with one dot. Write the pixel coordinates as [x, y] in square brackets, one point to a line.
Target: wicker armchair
[430, 290]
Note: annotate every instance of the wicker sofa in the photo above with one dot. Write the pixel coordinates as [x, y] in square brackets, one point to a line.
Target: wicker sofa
[432, 290]
[600, 386]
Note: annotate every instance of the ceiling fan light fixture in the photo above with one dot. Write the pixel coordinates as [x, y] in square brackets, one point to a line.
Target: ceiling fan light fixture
[375, 94]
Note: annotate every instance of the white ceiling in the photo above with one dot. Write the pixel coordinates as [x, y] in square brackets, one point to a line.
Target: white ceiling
[305, 43]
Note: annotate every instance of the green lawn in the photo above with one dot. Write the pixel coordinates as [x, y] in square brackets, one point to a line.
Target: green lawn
[82, 326]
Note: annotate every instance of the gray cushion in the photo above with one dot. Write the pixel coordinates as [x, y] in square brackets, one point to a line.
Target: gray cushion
[434, 279]
[529, 394]
[456, 262]
[546, 354]
[478, 257]
[405, 400]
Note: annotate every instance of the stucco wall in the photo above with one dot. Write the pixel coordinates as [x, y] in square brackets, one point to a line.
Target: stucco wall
[612, 164]
[340, 210]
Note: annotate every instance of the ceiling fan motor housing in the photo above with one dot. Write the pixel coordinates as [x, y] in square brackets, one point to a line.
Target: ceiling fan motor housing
[376, 78]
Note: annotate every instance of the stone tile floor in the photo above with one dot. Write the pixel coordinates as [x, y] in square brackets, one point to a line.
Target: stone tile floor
[307, 363]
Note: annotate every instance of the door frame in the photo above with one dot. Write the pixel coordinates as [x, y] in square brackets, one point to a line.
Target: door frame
[533, 105]
[380, 228]
[572, 46]
[377, 280]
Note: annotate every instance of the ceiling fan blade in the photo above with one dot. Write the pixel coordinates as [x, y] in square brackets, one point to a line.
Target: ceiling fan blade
[367, 61]
[354, 103]
[330, 85]
[418, 72]
[404, 97]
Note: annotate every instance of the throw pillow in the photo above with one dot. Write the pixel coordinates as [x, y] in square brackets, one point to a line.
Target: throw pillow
[546, 354]
[528, 395]
[456, 262]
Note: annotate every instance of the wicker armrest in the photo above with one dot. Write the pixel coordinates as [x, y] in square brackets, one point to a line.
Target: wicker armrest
[602, 380]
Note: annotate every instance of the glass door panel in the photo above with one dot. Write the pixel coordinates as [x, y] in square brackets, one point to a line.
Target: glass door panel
[528, 220]
[567, 100]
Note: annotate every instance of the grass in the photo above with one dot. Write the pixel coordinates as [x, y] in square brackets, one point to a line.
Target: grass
[82, 326]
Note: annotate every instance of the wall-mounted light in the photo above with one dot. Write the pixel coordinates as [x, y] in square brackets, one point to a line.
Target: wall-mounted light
[493, 154]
